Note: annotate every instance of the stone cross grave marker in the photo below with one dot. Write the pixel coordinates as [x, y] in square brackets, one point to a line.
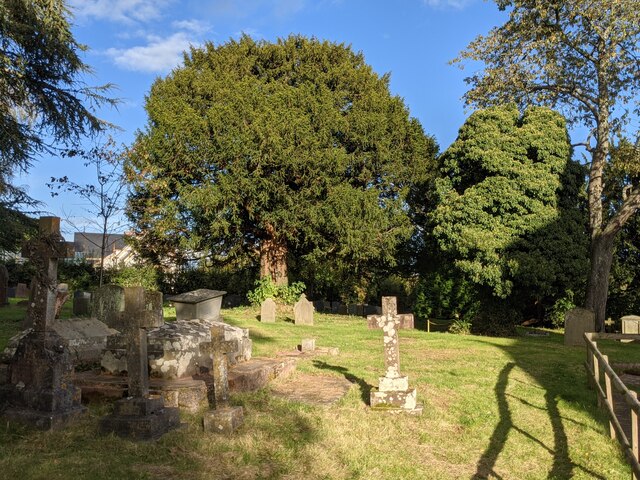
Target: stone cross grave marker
[390, 304]
[393, 392]
[39, 389]
[223, 418]
[303, 311]
[44, 251]
[139, 416]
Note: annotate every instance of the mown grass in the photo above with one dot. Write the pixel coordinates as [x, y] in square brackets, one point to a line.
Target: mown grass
[515, 408]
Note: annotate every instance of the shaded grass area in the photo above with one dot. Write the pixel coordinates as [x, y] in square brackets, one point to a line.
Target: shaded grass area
[494, 408]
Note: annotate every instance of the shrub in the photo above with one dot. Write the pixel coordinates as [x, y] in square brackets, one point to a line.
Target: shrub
[556, 313]
[265, 288]
[460, 327]
[132, 276]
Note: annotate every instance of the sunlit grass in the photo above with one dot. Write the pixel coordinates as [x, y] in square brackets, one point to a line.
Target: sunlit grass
[515, 408]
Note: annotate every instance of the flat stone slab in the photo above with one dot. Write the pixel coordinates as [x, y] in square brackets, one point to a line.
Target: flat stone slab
[196, 296]
[323, 390]
[258, 372]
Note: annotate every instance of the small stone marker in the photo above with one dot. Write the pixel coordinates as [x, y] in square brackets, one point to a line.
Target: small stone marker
[268, 311]
[307, 345]
[139, 416]
[303, 311]
[577, 322]
[39, 391]
[223, 418]
[390, 304]
[393, 393]
[4, 286]
[202, 303]
[81, 303]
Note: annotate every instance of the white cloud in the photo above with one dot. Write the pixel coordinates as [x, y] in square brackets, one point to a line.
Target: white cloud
[159, 55]
[441, 4]
[124, 11]
[195, 26]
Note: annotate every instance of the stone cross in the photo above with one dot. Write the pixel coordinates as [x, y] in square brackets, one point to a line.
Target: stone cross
[219, 349]
[389, 322]
[44, 251]
[136, 319]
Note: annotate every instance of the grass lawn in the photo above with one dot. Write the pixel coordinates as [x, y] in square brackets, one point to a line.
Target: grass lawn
[515, 408]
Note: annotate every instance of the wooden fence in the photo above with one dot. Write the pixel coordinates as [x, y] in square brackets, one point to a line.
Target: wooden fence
[605, 381]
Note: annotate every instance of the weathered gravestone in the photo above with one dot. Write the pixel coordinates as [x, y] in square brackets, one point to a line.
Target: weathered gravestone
[39, 390]
[4, 286]
[107, 305]
[393, 393]
[307, 345]
[81, 303]
[577, 322]
[390, 304]
[153, 305]
[223, 418]
[22, 291]
[139, 416]
[268, 311]
[202, 303]
[303, 311]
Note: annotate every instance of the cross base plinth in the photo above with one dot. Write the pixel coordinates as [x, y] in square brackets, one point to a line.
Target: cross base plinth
[223, 420]
[140, 419]
[38, 389]
[395, 401]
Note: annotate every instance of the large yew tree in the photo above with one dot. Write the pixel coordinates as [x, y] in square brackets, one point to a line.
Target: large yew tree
[257, 149]
[582, 57]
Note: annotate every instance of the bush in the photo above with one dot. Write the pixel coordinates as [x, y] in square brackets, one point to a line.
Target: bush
[79, 274]
[265, 288]
[133, 276]
[496, 319]
[556, 313]
[460, 327]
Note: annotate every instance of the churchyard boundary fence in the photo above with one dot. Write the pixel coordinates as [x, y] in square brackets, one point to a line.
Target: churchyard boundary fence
[605, 381]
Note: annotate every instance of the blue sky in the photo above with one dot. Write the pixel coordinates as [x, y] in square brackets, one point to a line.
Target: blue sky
[132, 42]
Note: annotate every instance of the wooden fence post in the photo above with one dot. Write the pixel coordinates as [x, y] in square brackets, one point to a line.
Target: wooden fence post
[607, 383]
[634, 431]
[596, 378]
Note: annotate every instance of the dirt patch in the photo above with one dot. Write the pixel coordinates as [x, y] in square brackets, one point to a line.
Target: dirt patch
[312, 389]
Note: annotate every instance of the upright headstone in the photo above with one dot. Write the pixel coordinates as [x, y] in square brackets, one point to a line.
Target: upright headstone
[268, 311]
[4, 286]
[393, 392]
[153, 304]
[40, 391]
[577, 322]
[22, 291]
[138, 416]
[303, 311]
[390, 304]
[107, 305]
[222, 418]
[81, 303]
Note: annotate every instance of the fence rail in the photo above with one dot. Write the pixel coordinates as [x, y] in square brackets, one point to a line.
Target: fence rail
[605, 381]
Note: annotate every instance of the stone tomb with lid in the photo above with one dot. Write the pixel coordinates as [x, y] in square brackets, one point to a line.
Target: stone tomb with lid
[203, 304]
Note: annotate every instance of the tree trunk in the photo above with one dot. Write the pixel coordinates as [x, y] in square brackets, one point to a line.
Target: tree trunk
[598, 282]
[273, 260]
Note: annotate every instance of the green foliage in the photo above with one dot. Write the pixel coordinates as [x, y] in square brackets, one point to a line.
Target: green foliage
[142, 275]
[495, 318]
[442, 294]
[460, 327]
[283, 294]
[556, 313]
[229, 278]
[80, 275]
[295, 147]
[508, 207]
[21, 272]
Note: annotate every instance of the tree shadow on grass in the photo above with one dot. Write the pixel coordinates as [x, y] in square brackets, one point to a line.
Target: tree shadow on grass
[559, 381]
[365, 387]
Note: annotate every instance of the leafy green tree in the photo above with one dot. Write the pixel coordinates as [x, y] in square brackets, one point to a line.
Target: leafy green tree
[271, 150]
[507, 210]
[580, 56]
[44, 103]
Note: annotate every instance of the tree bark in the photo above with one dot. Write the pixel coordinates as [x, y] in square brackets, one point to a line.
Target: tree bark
[273, 260]
[598, 282]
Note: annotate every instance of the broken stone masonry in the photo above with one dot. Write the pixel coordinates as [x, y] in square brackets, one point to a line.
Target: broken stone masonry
[139, 416]
[36, 385]
[222, 418]
[393, 393]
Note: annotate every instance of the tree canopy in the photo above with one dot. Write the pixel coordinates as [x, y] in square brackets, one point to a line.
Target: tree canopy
[507, 205]
[580, 56]
[259, 150]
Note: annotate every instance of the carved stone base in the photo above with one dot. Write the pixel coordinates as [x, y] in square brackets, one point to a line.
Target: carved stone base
[223, 420]
[395, 400]
[140, 419]
[43, 420]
